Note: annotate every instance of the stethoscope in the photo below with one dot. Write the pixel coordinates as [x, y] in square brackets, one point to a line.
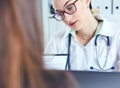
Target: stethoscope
[68, 65]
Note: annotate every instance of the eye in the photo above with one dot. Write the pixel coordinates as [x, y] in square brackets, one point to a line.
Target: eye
[69, 8]
[59, 14]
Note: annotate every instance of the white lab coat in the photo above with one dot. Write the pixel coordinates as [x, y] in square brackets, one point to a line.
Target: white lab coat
[83, 57]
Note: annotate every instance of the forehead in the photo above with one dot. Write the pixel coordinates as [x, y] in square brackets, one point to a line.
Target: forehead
[59, 4]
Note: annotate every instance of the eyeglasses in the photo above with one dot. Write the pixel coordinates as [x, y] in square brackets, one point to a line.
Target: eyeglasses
[70, 9]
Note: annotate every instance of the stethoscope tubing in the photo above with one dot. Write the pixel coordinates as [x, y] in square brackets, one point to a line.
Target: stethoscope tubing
[68, 57]
[107, 44]
[107, 37]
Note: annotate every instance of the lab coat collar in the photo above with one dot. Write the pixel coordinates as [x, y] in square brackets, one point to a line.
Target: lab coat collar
[106, 28]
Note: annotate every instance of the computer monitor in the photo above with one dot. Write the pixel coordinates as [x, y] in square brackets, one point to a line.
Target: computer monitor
[89, 79]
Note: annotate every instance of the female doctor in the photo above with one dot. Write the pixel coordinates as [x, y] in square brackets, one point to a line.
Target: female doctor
[92, 44]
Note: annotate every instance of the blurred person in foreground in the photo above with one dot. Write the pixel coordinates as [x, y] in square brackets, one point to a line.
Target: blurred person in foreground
[21, 46]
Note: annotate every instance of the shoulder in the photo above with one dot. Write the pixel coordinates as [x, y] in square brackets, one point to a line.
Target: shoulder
[114, 27]
[113, 30]
[112, 23]
[61, 34]
[110, 27]
[57, 42]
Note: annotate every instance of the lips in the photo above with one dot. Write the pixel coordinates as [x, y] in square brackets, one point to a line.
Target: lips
[73, 23]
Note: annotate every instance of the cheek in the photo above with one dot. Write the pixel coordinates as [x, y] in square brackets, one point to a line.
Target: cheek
[81, 9]
[81, 12]
[79, 16]
[81, 20]
[65, 22]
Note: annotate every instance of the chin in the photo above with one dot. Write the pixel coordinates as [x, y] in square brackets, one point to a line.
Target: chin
[75, 28]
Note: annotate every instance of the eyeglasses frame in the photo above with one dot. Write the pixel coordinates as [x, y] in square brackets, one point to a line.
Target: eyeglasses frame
[54, 16]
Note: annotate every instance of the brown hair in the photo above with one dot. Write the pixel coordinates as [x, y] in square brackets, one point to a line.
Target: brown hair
[20, 44]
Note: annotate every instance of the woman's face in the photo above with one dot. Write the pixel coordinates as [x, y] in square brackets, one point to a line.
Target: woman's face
[77, 19]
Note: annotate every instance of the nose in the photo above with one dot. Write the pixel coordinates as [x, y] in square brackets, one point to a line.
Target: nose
[67, 18]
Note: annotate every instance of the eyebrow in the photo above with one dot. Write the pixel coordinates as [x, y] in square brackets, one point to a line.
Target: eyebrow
[66, 3]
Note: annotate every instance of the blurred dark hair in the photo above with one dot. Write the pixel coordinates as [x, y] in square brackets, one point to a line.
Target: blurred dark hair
[90, 6]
